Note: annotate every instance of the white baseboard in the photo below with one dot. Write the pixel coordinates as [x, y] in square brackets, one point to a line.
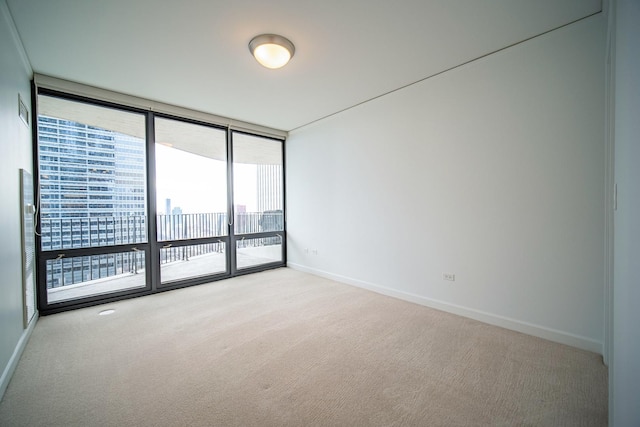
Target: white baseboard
[15, 357]
[572, 340]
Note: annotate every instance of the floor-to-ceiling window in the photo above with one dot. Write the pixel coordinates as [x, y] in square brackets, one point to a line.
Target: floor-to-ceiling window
[191, 199]
[133, 202]
[258, 200]
[93, 200]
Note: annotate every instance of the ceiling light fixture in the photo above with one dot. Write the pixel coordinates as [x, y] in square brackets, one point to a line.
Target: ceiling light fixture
[271, 50]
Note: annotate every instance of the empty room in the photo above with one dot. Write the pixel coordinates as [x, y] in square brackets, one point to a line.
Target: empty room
[292, 213]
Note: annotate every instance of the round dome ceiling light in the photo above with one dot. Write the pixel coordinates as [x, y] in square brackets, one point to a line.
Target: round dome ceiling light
[271, 50]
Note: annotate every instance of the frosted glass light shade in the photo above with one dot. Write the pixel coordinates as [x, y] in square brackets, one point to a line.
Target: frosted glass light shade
[271, 51]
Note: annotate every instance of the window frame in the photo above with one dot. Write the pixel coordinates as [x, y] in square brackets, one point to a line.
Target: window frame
[152, 247]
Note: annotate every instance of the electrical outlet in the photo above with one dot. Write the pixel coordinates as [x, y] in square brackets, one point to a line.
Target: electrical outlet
[449, 276]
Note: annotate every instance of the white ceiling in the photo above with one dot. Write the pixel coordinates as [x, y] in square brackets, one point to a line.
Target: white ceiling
[194, 54]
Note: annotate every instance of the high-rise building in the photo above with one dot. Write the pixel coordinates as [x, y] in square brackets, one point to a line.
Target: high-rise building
[269, 187]
[91, 180]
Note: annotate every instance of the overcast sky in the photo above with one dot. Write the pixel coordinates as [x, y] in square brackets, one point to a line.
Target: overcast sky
[197, 184]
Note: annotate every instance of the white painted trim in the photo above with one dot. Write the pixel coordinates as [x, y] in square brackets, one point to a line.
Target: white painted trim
[609, 7]
[17, 41]
[609, 183]
[561, 337]
[15, 357]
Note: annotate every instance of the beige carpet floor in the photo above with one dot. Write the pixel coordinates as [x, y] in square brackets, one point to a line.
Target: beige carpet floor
[284, 348]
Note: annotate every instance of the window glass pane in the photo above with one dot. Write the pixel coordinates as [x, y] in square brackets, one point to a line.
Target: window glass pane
[257, 184]
[191, 180]
[92, 175]
[92, 195]
[182, 262]
[252, 252]
[79, 277]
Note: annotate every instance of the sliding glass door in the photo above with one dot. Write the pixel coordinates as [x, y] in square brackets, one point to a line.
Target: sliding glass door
[191, 199]
[134, 202]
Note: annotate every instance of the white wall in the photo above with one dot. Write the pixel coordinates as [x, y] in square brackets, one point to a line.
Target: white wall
[493, 171]
[15, 153]
[625, 368]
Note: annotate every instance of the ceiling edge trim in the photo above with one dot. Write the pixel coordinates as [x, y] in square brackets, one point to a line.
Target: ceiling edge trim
[15, 35]
[79, 89]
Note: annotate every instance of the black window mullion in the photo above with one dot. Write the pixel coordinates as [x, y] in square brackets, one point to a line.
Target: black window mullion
[231, 258]
[153, 256]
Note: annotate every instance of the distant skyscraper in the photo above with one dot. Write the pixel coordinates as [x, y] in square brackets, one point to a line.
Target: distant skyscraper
[269, 191]
[87, 172]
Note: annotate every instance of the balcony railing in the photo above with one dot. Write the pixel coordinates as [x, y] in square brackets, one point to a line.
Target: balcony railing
[72, 233]
[191, 226]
